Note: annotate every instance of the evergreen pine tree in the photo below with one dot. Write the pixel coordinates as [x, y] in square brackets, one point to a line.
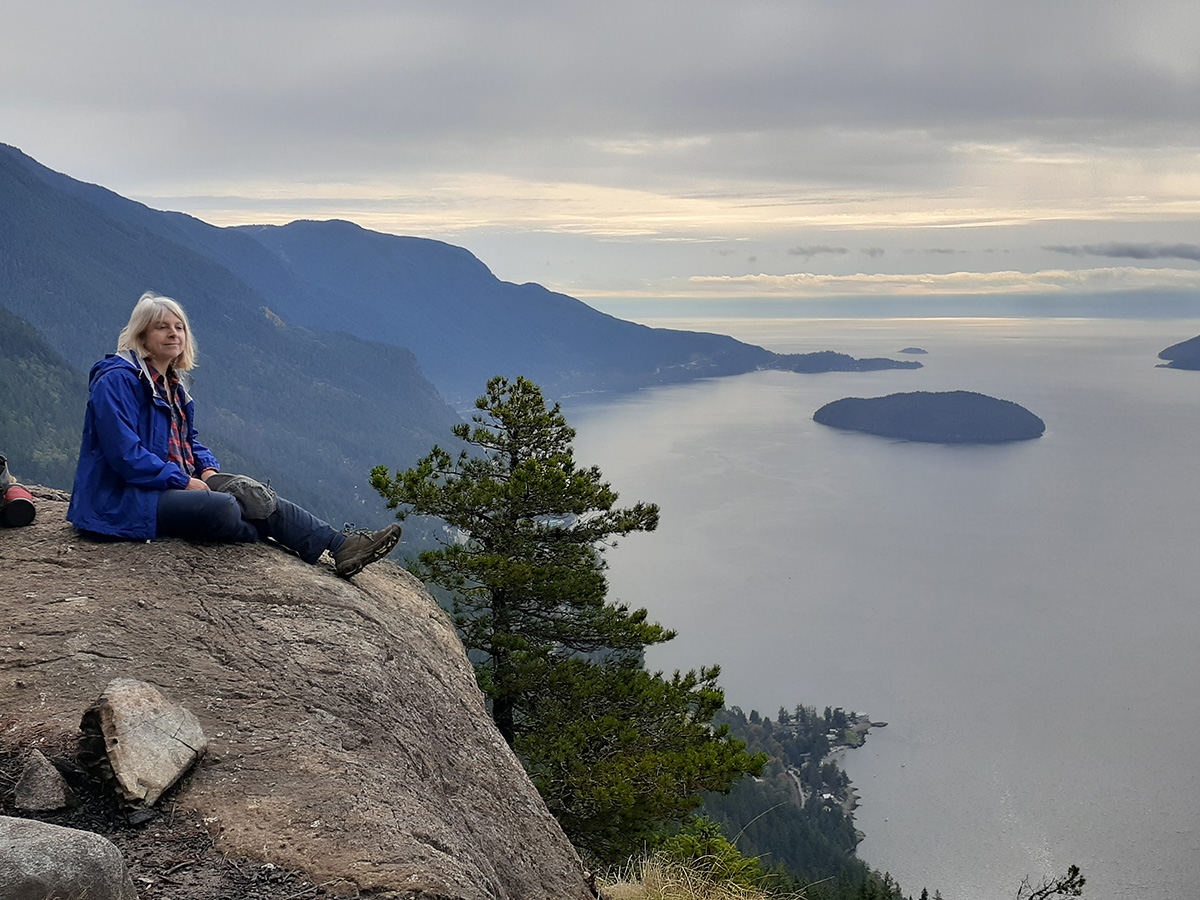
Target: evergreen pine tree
[527, 575]
[615, 750]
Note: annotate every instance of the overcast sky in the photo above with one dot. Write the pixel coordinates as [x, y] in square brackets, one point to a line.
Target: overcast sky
[652, 149]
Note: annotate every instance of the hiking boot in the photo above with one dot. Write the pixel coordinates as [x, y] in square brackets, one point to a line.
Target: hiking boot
[256, 499]
[361, 548]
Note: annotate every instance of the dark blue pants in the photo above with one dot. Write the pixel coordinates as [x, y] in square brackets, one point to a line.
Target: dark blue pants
[216, 517]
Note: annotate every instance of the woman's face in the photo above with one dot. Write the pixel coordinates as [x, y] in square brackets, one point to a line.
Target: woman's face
[165, 340]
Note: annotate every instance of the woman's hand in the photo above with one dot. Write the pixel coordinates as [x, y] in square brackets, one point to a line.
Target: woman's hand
[195, 484]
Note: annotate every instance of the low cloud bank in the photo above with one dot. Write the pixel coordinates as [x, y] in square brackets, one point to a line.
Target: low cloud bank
[1049, 281]
[1120, 250]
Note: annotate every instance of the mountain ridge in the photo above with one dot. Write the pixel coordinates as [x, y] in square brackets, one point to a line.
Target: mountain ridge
[306, 408]
[466, 325]
[325, 348]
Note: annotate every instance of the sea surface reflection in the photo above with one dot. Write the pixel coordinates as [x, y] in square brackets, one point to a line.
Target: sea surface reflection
[1024, 616]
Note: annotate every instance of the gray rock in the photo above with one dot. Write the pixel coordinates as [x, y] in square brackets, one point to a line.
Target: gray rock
[150, 742]
[40, 861]
[347, 737]
[40, 787]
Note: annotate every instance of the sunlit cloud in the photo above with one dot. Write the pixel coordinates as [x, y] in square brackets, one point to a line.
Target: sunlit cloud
[455, 203]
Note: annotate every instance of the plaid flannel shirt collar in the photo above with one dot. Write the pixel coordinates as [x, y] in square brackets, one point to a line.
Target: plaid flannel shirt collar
[179, 450]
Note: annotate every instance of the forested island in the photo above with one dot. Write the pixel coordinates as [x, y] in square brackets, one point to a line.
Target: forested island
[832, 361]
[1184, 355]
[946, 417]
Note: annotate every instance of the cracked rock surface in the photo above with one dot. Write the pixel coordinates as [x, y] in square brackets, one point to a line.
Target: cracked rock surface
[346, 735]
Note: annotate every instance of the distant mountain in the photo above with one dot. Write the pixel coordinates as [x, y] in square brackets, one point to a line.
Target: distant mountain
[1184, 355]
[325, 348]
[465, 325]
[946, 417]
[310, 409]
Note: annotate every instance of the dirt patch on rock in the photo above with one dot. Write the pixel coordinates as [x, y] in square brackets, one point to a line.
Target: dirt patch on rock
[171, 855]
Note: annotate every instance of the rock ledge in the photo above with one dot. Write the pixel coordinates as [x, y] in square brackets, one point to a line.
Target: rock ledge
[347, 737]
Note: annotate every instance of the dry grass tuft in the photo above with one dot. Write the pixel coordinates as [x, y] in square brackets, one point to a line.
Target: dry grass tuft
[659, 878]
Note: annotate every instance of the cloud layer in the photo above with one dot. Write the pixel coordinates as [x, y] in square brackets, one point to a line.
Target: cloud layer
[1085, 281]
[848, 135]
[1117, 250]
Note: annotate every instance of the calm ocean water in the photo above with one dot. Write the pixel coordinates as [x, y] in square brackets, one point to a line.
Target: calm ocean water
[1026, 617]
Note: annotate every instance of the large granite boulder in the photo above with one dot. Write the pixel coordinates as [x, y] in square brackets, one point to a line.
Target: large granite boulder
[346, 735]
[39, 861]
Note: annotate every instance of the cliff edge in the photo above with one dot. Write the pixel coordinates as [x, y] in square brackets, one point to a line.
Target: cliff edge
[347, 736]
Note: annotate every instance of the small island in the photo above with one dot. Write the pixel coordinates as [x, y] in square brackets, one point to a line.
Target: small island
[946, 417]
[1184, 355]
[832, 361]
[913, 350]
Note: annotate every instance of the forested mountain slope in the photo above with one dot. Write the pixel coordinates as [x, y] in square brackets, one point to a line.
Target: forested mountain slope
[325, 348]
[464, 325]
[311, 409]
[41, 397]
[65, 242]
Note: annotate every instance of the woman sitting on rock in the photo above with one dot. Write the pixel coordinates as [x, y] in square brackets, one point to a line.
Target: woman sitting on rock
[143, 474]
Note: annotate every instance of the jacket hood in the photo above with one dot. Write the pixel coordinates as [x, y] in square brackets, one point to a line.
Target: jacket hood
[123, 359]
[129, 360]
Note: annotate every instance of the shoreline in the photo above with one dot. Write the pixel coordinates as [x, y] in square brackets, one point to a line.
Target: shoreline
[862, 727]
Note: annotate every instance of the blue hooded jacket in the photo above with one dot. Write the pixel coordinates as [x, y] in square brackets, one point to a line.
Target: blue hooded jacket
[123, 466]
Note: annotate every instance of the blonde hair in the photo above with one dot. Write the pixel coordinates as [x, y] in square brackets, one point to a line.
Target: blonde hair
[151, 309]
